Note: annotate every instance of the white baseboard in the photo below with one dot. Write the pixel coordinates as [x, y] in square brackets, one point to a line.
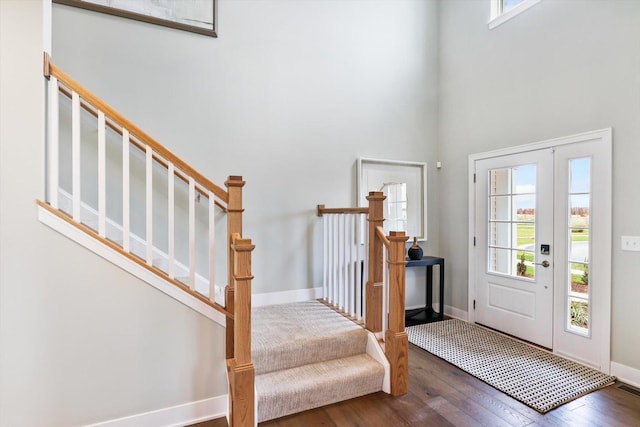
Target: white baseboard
[175, 416]
[456, 313]
[283, 297]
[626, 374]
[448, 311]
[125, 263]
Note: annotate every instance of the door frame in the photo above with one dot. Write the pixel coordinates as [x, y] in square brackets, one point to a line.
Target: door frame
[605, 269]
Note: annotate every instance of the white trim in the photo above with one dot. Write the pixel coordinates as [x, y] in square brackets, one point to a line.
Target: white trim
[377, 353]
[456, 313]
[174, 416]
[448, 311]
[283, 297]
[397, 169]
[626, 374]
[535, 146]
[125, 263]
[500, 19]
[600, 134]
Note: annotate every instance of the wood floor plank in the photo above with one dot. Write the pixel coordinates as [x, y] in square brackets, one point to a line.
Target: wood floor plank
[440, 394]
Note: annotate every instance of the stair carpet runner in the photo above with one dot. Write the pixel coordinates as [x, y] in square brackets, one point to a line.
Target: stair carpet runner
[305, 356]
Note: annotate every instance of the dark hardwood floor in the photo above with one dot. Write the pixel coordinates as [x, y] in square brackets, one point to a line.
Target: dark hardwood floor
[442, 395]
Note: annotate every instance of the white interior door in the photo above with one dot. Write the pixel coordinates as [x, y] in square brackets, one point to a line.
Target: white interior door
[540, 264]
[514, 240]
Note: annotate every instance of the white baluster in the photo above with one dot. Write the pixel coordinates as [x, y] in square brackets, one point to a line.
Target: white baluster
[53, 155]
[212, 239]
[102, 181]
[359, 275]
[341, 276]
[75, 155]
[171, 220]
[325, 258]
[347, 267]
[192, 233]
[126, 224]
[149, 204]
[334, 261]
[352, 264]
[385, 290]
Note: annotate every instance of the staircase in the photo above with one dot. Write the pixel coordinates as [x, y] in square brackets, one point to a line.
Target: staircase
[294, 356]
[306, 355]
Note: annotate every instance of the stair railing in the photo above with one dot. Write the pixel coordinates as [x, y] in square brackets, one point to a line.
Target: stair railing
[237, 307]
[384, 292]
[345, 259]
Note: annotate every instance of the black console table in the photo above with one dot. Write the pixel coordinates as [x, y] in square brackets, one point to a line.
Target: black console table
[427, 314]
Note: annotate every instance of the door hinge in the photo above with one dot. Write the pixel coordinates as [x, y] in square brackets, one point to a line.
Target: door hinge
[474, 240]
[474, 178]
[474, 304]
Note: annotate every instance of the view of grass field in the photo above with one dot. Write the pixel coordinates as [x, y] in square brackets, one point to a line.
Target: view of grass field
[525, 238]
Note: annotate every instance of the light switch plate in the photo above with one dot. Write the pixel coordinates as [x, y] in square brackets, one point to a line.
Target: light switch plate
[631, 243]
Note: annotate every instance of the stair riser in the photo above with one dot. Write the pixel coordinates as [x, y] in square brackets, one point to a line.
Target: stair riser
[300, 389]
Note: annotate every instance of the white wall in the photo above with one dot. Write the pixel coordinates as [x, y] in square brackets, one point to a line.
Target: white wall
[561, 68]
[80, 340]
[288, 96]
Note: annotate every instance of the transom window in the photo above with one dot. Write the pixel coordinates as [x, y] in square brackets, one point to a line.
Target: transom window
[503, 10]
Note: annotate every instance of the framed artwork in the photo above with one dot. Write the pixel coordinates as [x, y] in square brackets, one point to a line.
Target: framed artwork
[196, 16]
[404, 184]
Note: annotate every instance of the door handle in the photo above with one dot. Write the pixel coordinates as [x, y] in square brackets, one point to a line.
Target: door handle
[544, 263]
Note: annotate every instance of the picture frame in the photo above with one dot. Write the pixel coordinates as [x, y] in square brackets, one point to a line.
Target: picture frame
[196, 16]
[374, 174]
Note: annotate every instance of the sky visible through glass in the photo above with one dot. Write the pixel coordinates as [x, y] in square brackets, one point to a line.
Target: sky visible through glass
[509, 4]
[525, 182]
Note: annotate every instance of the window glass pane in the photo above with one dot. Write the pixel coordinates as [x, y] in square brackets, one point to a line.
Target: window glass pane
[510, 4]
[579, 278]
[579, 245]
[580, 210]
[524, 236]
[524, 264]
[524, 179]
[499, 181]
[578, 313]
[500, 208]
[499, 234]
[525, 207]
[578, 248]
[500, 260]
[511, 225]
[580, 175]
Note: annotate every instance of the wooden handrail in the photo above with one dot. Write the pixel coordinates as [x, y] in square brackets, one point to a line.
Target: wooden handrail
[321, 210]
[160, 160]
[50, 69]
[383, 237]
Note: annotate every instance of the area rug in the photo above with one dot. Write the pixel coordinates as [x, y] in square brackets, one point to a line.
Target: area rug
[531, 375]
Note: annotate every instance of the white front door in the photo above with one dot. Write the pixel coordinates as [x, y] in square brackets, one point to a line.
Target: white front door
[514, 219]
[540, 260]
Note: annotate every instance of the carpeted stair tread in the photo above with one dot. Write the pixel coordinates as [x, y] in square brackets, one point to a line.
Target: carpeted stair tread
[288, 335]
[298, 389]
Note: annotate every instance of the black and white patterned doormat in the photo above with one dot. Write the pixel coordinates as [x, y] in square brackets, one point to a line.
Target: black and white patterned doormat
[531, 375]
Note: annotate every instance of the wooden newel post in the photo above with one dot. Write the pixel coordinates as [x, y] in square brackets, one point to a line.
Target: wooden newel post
[241, 370]
[375, 281]
[234, 186]
[396, 340]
